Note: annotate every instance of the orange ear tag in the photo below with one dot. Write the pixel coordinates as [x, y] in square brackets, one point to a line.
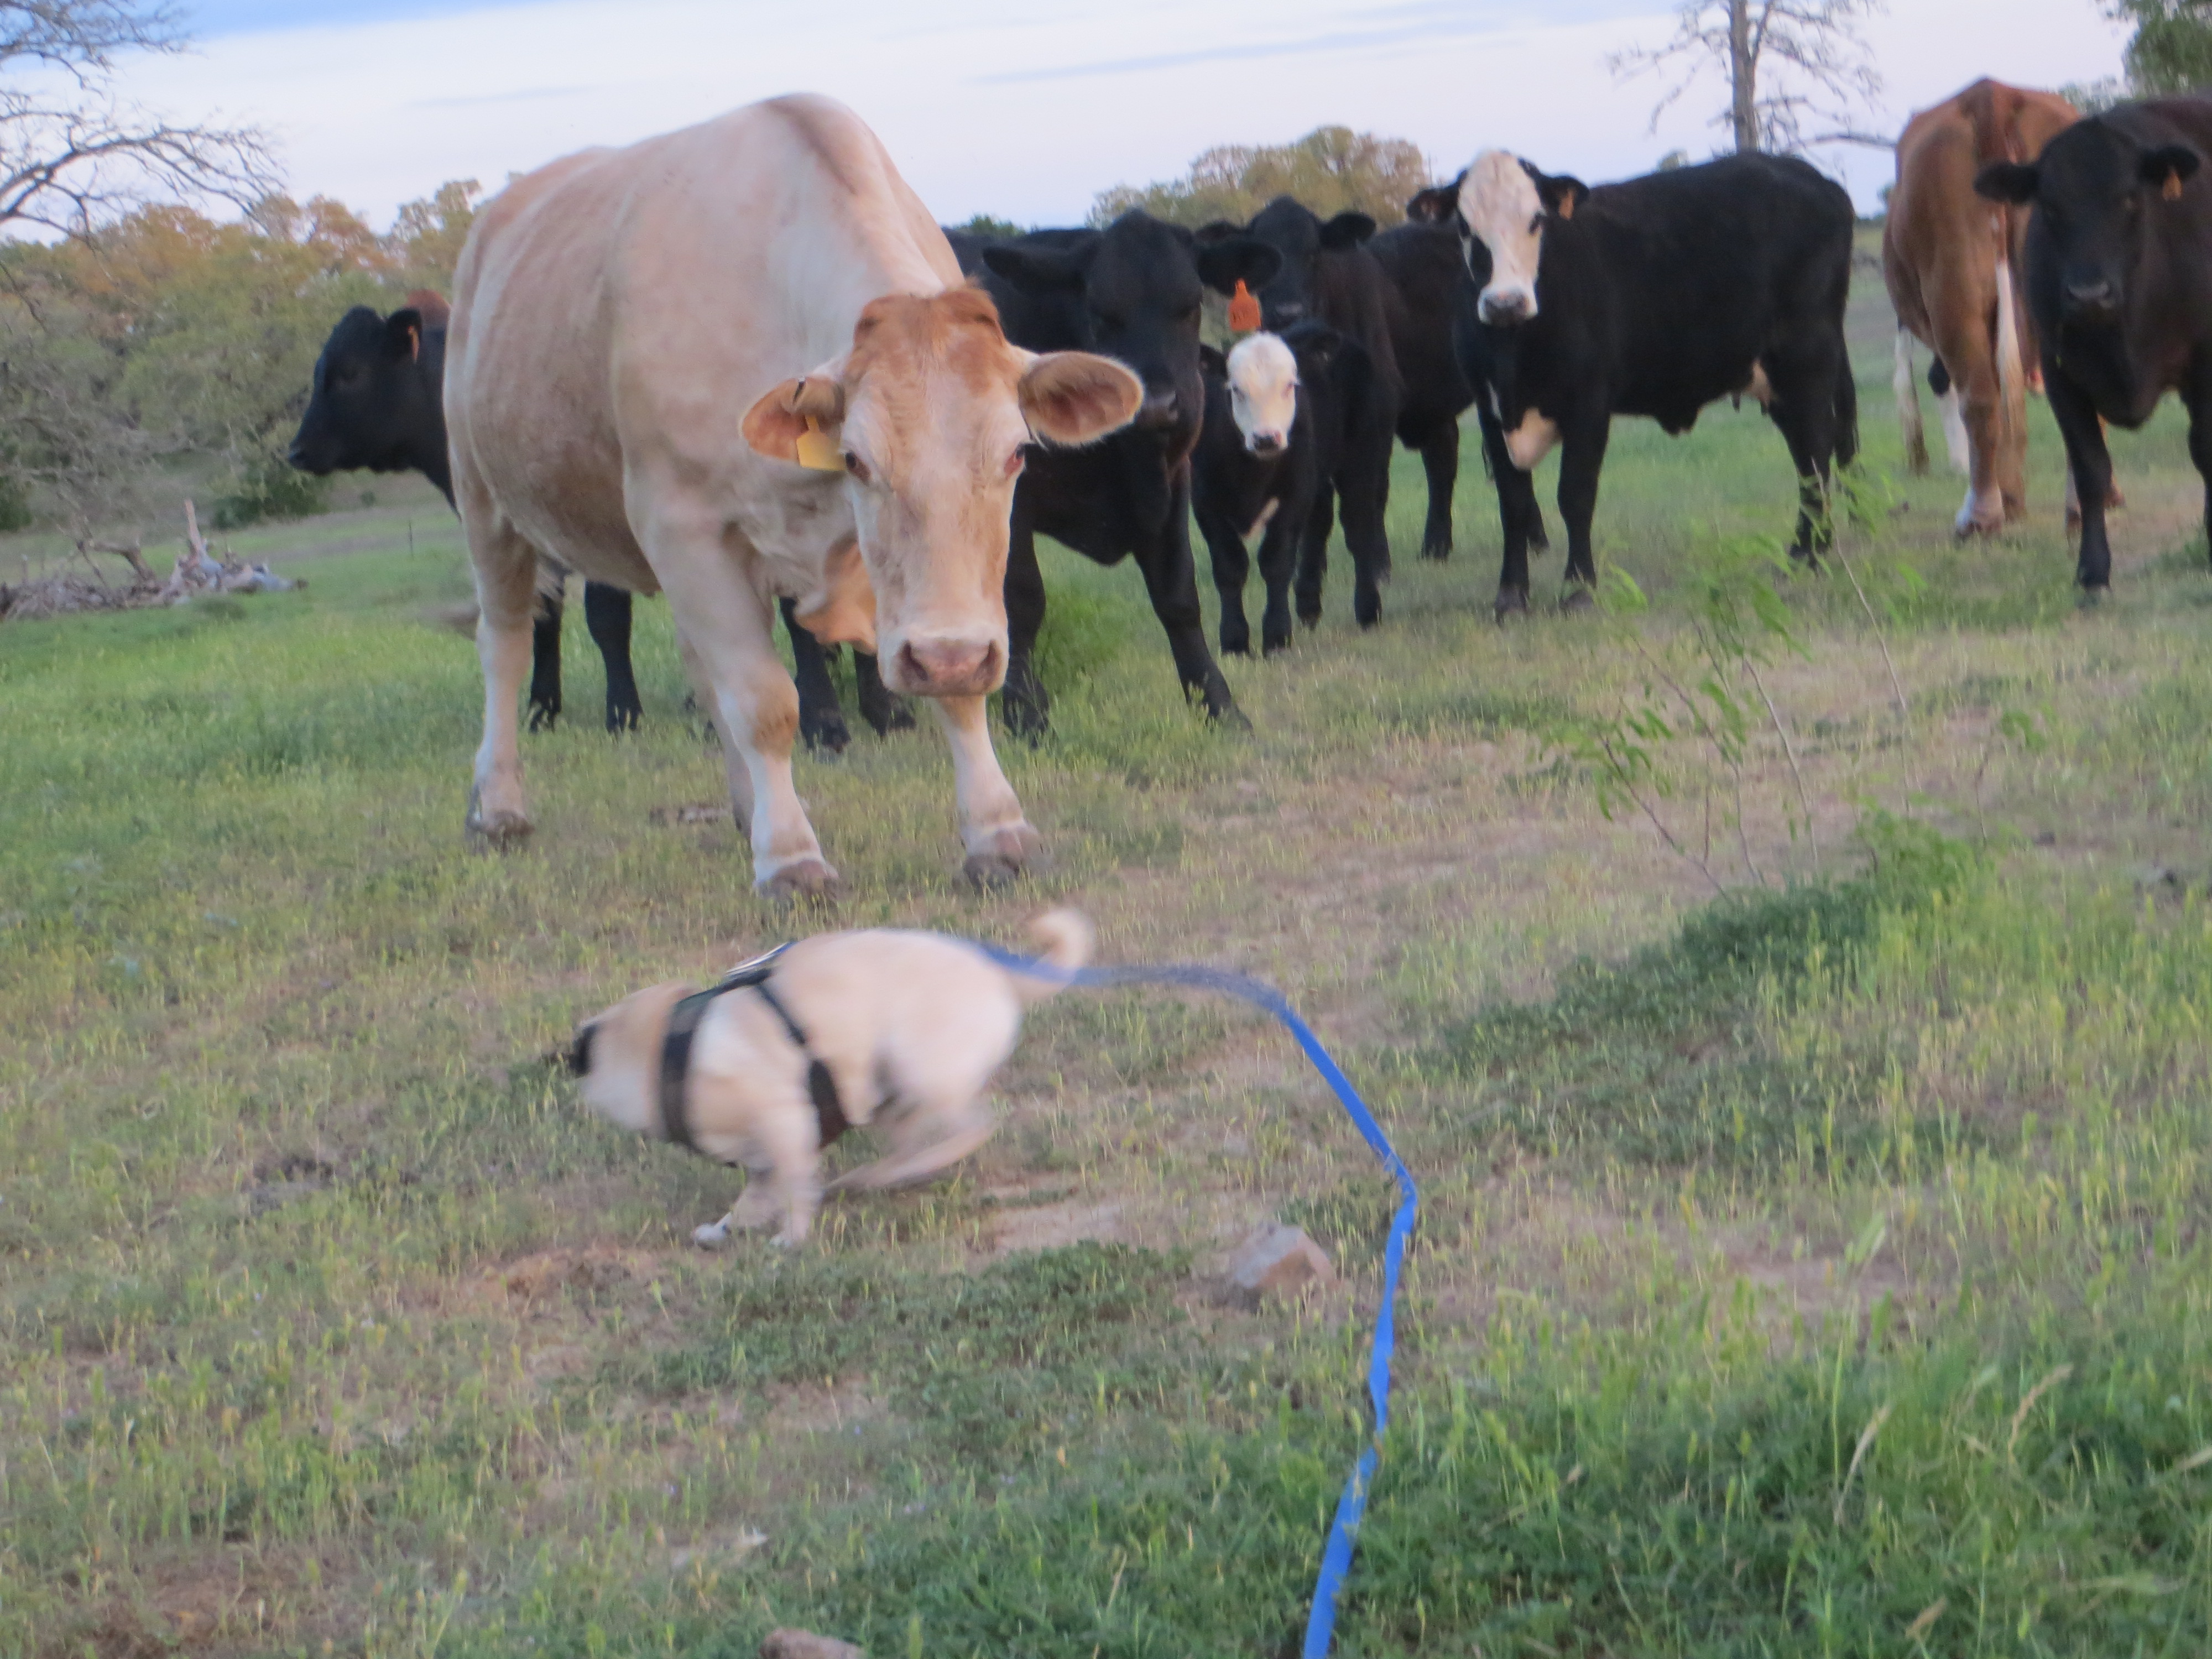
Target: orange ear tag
[1244, 310]
[2172, 189]
[816, 450]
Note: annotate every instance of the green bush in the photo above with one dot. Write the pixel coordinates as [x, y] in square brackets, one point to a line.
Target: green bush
[267, 487]
[15, 504]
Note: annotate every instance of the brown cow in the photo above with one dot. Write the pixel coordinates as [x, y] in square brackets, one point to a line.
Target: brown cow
[1951, 259]
[737, 362]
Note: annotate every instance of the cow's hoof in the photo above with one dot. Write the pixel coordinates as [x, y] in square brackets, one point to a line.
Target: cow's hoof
[2113, 498]
[1236, 645]
[1228, 717]
[1003, 856]
[1576, 600]
[496, 831]
[893, 714]
[1509, 602]
[1538, 541]
[1274, 641]
[804, 878]
[826, 737]
[543, 717]
[1437, 552]
[2090, 599]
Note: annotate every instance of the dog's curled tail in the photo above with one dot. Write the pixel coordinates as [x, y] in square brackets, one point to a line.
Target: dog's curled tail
[1067, 937]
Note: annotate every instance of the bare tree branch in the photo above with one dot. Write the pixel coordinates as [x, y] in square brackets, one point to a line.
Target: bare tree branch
[1787, 64]
[72, 152]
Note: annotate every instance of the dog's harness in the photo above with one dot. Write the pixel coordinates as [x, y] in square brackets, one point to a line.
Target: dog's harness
[683, 1019]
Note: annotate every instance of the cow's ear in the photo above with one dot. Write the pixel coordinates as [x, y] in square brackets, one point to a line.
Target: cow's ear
[1037, 270]
[1347, 230]
[1562, 194]
[1234, 260]
[790, 410]
[2168, 167]
[1076, 397]
[1220, 231]
[1210, 362]
[1436, 205]
[1317, 344]
[403, 335]
[2007, 181]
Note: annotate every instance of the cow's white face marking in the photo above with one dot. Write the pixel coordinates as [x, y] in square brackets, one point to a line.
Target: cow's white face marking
[1531, 440]
[1263, 392]
[1498, 201]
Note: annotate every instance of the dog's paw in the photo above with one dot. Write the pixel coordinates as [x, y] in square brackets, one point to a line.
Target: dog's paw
[713, 1236]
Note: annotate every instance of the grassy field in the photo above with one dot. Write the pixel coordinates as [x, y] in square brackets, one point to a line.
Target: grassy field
[1820, 1269]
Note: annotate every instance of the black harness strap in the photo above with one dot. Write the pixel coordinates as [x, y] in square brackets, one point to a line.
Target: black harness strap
[676, 1053]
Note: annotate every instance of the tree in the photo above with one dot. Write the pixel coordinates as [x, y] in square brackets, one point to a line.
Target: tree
[73, 153]
[1331, 170]
[1790, 65]
[2172, 49]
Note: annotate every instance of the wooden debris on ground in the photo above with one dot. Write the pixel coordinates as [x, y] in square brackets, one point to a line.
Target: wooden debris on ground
[198, 572]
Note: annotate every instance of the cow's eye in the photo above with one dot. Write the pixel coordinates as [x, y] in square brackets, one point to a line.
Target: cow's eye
[1014, 463]
[858, 468]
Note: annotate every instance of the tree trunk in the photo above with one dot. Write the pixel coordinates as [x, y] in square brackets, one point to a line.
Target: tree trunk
[1743, 77]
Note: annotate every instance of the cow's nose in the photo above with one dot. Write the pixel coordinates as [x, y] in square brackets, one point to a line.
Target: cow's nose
[1159, 408]
[948, 667]
[1267, 443]
[1507, 306]
[2089, 299]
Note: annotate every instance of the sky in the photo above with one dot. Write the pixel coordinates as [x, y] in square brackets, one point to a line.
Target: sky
[1021, 108]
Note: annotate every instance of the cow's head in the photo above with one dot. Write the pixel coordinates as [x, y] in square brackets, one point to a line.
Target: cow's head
[1263, 392]
[1299, 237]
[1502, 206]
[1134, 290]
[375, 401]
[926, 417]
[2097, 192]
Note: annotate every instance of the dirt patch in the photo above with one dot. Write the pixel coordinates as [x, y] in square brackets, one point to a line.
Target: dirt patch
[1052, 1225]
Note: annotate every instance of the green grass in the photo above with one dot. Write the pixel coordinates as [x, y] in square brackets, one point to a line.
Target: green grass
[1816, 1270]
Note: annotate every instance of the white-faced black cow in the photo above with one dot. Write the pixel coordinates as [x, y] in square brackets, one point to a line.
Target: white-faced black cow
[2120, 280]
[1654, 297]
[376, 405]
[1131, 292]
[1328, 276]
[1262, 464]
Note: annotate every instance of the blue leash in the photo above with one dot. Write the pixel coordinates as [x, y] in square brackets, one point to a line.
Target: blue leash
[1336, 1555]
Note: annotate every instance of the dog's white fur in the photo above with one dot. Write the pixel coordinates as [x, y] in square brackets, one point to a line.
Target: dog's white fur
[911, 1025]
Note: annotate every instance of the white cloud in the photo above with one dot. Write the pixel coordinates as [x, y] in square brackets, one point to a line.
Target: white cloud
[1017, 108]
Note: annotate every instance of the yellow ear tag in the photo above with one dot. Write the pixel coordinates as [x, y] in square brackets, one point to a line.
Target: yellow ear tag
[1243, 309]
[2172, 189]
[816, 450]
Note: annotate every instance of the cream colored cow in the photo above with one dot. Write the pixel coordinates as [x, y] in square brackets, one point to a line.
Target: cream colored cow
[648, 343]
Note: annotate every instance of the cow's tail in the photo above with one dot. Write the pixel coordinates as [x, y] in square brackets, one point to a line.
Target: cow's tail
[1067, 938]
[2012, 374]
[1907, 386]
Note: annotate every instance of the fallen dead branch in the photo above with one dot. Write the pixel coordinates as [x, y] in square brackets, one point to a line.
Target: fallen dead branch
[198, 572]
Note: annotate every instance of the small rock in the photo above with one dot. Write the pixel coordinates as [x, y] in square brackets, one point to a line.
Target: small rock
[1279, 1259]
[805, 1645]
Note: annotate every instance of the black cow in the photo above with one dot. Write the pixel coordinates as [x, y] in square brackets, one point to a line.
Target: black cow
[2119, 279]
[1652, 297]
[378, 403]
[1326, 276]
[1131, 291]
[1257, 472]
[1431, 308]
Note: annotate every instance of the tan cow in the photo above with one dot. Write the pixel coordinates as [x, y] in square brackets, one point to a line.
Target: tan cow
[735, 363]
[1951, 258]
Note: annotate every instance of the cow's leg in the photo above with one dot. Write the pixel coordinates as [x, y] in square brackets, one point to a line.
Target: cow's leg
[881, 707]
[998, 837]
[2200, 441]
[1516, 512]
[1440, 461]
[607, 616]
[1364, 487]
[1171, 581]
[1024, 703]
[2091, 464]
[1582, 457]
[1313, 553]
[1280, 544]
[820, 719]
[1963, 315]
[546, 646]
[728, 628]
[507, 599]
[1804, 407]
[1225, 547]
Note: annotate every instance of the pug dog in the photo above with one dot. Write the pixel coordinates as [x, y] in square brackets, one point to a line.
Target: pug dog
[897, 1032]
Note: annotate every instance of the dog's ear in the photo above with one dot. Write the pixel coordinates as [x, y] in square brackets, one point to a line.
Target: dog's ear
[579, 1057]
